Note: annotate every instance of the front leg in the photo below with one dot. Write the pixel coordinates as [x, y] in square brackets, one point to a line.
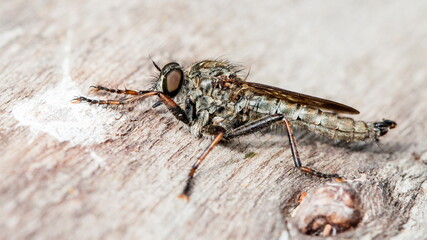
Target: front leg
[112, 90]
[173, 107]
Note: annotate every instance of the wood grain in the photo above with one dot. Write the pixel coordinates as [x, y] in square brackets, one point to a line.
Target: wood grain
[81, 172]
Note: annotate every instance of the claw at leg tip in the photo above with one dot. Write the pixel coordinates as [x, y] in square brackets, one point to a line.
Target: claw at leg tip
[94, 89]
[340, 179]
[76, 100]
[184, 197]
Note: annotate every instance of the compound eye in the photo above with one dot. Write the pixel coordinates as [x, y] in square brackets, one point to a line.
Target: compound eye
[173, 79]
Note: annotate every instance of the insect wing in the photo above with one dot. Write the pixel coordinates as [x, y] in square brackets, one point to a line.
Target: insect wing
[295, 97]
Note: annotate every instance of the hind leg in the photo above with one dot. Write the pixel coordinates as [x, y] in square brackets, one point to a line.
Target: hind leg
[267, 122]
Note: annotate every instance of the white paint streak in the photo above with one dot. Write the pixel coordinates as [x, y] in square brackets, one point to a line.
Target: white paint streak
[53, 113]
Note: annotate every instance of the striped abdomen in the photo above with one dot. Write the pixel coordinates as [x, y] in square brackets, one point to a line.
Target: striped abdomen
[327, 124]
[336, 127]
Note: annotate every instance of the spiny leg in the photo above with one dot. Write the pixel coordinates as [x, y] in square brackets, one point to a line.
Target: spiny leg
[243, 130]
[296, 158]
[187, 189]
[173, 107]
[254, 126]
[111, 90]
[108, 102]
[267, 122]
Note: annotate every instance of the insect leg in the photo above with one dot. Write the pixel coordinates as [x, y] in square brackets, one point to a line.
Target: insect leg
[187, 189]
[296, 157]
[173, 107]
[253, 126]
[103, 102]
[268, 121]
[119, 91]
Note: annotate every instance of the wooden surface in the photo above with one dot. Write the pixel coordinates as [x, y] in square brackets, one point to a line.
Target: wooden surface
[80, 172]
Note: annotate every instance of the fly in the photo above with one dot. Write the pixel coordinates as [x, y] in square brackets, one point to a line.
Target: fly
[213, 100]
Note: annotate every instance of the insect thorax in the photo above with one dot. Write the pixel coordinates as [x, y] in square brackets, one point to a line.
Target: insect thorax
[208, 98]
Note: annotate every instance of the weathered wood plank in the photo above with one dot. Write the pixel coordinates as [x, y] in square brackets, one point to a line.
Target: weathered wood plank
[80, 172]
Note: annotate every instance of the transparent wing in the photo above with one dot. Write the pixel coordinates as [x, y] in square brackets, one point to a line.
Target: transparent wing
[295, 97]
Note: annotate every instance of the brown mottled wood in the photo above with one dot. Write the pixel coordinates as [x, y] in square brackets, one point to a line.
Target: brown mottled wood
[73, 171]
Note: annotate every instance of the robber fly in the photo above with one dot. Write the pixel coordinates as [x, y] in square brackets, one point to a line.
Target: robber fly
[212, 99]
